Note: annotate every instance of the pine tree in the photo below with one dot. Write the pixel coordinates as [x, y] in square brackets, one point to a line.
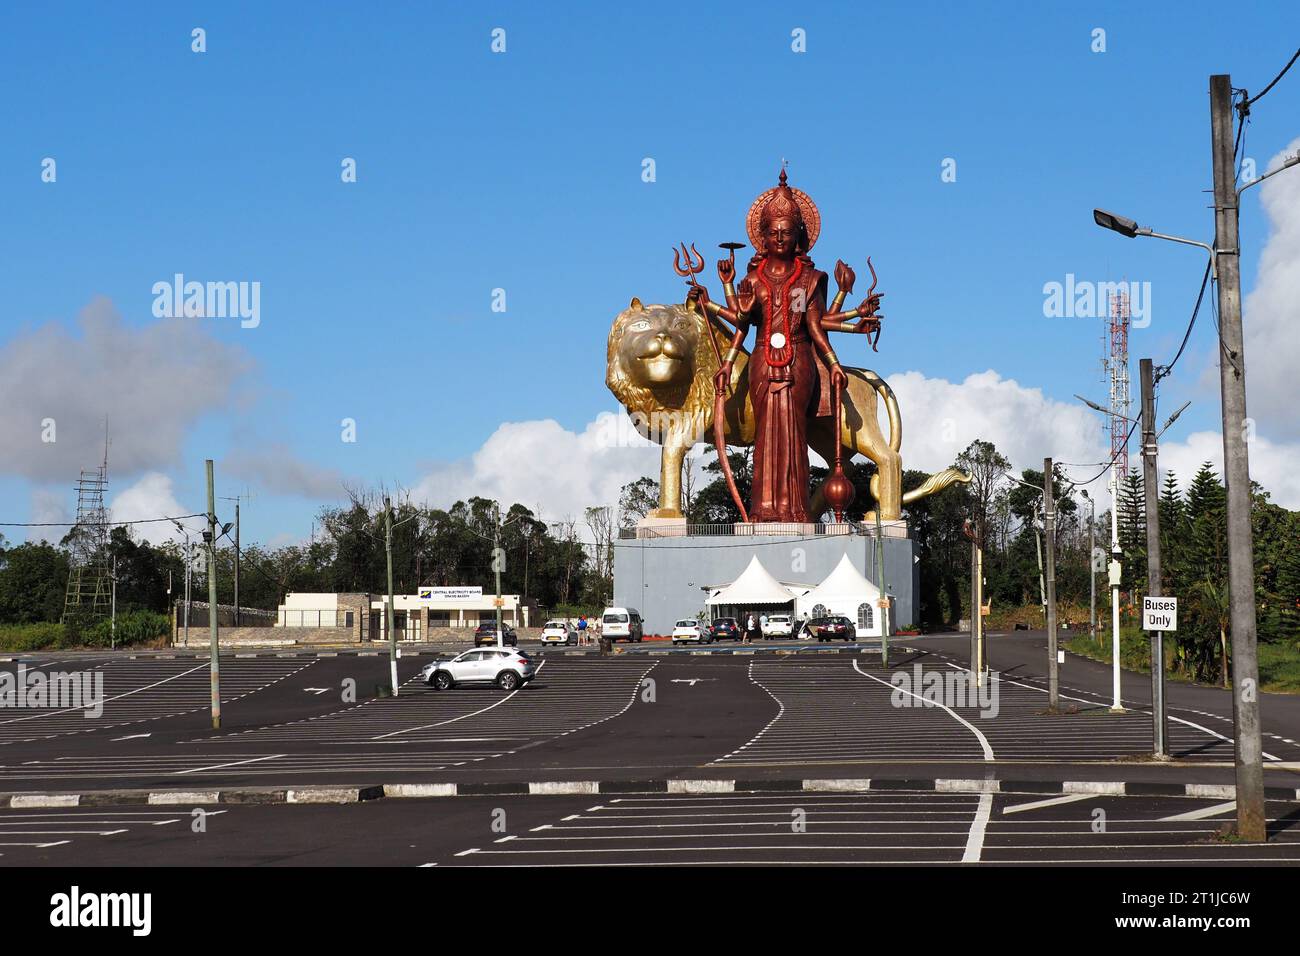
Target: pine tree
[1133, 534]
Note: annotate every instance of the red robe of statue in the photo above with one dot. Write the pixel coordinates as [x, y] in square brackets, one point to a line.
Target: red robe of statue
[786, 385]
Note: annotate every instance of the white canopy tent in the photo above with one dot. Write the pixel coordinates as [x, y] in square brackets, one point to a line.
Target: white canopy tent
[755, 586]
[845, 591]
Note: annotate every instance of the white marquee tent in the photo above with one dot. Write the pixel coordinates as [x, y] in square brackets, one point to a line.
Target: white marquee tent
[755, 586]
[845, 591]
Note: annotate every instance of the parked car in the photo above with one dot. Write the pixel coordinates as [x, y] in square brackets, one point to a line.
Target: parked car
[559, 632]
[508, 670]
[622, 624]
[692, 631]
[831, 627]
[778, 625]
[486, 633]
[725, 629]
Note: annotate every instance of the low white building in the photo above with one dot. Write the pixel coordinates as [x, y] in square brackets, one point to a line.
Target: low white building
[414, 615]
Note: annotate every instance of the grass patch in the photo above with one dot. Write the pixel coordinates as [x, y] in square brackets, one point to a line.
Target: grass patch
[134, 629]
[1279, 663]
[1279, 668]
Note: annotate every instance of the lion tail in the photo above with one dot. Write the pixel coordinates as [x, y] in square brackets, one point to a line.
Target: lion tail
[891, 407]
[936, 483]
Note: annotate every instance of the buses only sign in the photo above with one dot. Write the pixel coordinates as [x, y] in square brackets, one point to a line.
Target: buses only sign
[1160, 614]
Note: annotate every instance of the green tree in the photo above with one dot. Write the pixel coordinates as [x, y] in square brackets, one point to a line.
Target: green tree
[33, 582]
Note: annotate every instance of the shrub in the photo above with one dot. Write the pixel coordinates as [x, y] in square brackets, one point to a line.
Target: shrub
[32, 637]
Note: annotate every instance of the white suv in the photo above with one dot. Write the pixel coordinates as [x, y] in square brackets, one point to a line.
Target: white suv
[778, 625]
[508, 669]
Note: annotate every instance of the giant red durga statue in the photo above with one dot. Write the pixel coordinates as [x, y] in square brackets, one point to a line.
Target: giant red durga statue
[794, 371]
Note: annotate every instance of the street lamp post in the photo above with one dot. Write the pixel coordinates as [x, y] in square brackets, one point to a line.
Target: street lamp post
[388, 554]
[1225, 260]
[189, 563]
[1113, 570]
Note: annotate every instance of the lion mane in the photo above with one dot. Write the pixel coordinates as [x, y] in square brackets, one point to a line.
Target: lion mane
[687, 400]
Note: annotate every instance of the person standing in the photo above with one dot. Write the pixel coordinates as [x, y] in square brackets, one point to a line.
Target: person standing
[749, 628]
[582, 629]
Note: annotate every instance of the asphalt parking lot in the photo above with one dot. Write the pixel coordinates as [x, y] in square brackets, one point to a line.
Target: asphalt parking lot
[292, 721]
[806, 829]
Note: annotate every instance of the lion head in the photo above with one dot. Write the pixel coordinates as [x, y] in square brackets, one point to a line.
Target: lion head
[660, 359]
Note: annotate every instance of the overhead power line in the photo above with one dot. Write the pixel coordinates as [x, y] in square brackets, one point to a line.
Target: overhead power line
[73, 524]
[1260, 95]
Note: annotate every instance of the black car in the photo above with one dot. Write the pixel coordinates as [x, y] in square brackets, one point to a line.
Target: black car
[725, 629]
[831, 627]
[486, 633]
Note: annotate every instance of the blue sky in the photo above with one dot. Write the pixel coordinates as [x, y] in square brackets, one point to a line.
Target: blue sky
[522, 171]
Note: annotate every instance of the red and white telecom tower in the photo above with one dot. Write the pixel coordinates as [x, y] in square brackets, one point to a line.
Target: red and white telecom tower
[1115, 364]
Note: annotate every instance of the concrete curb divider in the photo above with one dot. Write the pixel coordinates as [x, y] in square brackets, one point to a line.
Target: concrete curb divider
[362, 794]
[431, 652]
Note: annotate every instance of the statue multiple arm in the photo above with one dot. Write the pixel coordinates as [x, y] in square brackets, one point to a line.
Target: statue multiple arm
[833, 320]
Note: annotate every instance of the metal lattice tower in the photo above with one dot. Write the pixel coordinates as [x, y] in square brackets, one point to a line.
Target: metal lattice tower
[88, 572]
[1115, 365]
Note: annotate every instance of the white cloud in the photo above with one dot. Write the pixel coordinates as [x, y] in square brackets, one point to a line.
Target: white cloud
[1271, 313]
[542, 465]
[278, 469]
[1276, 466]
[151, 383]
[151, 497]
[940, 418]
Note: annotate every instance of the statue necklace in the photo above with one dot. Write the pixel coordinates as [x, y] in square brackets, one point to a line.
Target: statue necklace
[777, 350]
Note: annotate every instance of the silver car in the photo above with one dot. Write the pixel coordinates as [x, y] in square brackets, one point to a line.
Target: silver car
[506, 668]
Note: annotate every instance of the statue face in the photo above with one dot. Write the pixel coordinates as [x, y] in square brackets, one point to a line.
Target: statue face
[658, 345]
[781, 236]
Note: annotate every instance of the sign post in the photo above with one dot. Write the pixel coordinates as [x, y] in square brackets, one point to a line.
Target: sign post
[1159, 614]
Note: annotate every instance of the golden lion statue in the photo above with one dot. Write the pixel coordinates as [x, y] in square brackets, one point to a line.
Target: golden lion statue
[660, 366]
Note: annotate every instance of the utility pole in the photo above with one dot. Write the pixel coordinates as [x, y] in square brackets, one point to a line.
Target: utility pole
[979, 610]
[1092, 566]
[112, 627]
[210, 536]
[1236, 470]
[189, 566]
[392, 630]
[884, 598]
[978, 665]
[236, 500]
[1049, 532]
[496, 567]
[1160, 723]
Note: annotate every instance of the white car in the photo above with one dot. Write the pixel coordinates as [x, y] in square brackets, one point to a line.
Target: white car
[506, 668]
[559, 632]
[689, 629]
[778, 625]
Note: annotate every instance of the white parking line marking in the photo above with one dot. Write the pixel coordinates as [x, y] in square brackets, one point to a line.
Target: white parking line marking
[1053, 802]
[984, 742]
[1217, 809]
[222, 766]
[975, 841]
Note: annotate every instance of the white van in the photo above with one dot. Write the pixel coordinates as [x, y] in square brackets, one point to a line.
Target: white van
[621, 624]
